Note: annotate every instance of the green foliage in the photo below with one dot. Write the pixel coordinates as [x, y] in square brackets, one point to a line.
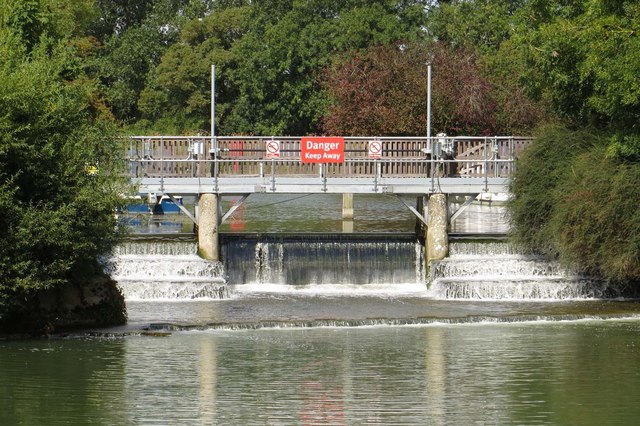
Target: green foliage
[57, 217]
[624, 148]
[135, 36]
[587, 64]
[597, 217]
[29, 20]
[177, 96]
[482, 24]
[572, 201]
[282, 57]
[540, 173]
[269, 57]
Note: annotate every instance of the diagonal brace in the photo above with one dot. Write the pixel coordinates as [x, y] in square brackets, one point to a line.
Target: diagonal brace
[413, 210]
[233, 208]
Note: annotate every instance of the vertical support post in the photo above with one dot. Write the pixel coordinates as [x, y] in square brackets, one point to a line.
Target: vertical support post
[162, 164]
[213, 109]
[437, 238]
[347, 206]
[377, 172]
[486, 167]
[208, 227]
[273, 175]
[420, 227]
[429, 141]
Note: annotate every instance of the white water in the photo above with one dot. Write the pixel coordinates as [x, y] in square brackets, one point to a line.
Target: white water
[171, 270]
[166, 270]
[500, 271]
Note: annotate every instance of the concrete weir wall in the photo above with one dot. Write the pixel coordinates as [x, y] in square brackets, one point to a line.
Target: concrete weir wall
[208, 227]
[437, 238]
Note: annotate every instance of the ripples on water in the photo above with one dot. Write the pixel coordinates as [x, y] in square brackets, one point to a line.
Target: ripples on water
[237, 361]
[538, 373]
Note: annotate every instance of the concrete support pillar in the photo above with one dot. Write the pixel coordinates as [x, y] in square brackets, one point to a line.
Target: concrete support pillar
[208, 227]
[347, 206]
[437, 239]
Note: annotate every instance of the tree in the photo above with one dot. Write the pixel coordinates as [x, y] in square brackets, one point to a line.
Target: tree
[134, 38]
[586, 64]
[59, 181]
[289, 45]
[383, 90]
[177, 96]
[589, 66]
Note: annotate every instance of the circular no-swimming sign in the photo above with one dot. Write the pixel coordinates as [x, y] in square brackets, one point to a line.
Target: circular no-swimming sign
[375, 149]
[273, 149]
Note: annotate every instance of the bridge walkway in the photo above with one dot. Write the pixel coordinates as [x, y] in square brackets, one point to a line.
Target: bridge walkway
[192, 165]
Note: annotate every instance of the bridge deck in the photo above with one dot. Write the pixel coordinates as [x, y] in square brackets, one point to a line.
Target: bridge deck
[241, 165]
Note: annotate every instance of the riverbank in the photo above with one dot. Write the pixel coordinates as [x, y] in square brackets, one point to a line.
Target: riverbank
[67, 308]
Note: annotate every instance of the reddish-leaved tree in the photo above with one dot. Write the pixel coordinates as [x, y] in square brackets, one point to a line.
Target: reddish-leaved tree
[383, 91]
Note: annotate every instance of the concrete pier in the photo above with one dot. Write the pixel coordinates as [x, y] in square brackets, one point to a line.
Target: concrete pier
[208, 227]
[437, 238]
[347, 206]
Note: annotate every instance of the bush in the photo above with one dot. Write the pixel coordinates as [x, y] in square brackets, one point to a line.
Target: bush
[574, 202]
[59, 182]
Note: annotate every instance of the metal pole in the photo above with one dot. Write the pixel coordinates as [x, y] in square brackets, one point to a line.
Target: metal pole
[429, 103]
[162, 164]
[429, 142]
[213, 107]
[486, 166]
[214, 141]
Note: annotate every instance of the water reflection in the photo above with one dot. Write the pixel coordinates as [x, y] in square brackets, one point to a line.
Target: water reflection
[538, 373]
[321, 213]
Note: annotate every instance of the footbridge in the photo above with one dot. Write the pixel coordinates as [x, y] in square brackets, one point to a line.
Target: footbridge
[429, 168]
[354, 165]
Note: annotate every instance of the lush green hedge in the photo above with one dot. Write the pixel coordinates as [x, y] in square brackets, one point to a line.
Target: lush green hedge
[574, 200]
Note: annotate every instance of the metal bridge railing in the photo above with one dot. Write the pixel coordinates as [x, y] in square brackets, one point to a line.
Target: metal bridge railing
[246, 156]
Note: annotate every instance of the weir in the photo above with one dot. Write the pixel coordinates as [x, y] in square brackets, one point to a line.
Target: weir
[325, 265]
[321, 259]
[167, 268]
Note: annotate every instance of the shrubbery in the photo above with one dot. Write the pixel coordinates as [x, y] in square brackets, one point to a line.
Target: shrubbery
[573, 201]
[59, 185]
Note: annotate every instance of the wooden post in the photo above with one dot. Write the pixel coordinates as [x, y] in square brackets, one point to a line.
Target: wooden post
[347, 206]
[208, 227]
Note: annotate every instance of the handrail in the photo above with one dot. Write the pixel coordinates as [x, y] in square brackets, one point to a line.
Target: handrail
[432, 158]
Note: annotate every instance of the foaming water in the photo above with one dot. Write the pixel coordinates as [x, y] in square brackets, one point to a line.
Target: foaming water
[387, 265]
[324, 260]
[501, 271]
[329, 290]
[166, 270]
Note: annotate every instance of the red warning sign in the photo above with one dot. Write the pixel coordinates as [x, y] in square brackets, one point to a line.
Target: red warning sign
[273, 149]
[375, 149]
[322, 150]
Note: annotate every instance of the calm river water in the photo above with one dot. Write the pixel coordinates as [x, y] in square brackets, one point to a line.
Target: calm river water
[387, 353]
[582, 373]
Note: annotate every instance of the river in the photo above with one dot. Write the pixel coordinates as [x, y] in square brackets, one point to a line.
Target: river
[280, 338]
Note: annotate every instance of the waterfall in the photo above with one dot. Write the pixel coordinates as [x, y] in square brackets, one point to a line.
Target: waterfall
[343, 264]
[324, 263]
[166, 269]
[501, 271]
